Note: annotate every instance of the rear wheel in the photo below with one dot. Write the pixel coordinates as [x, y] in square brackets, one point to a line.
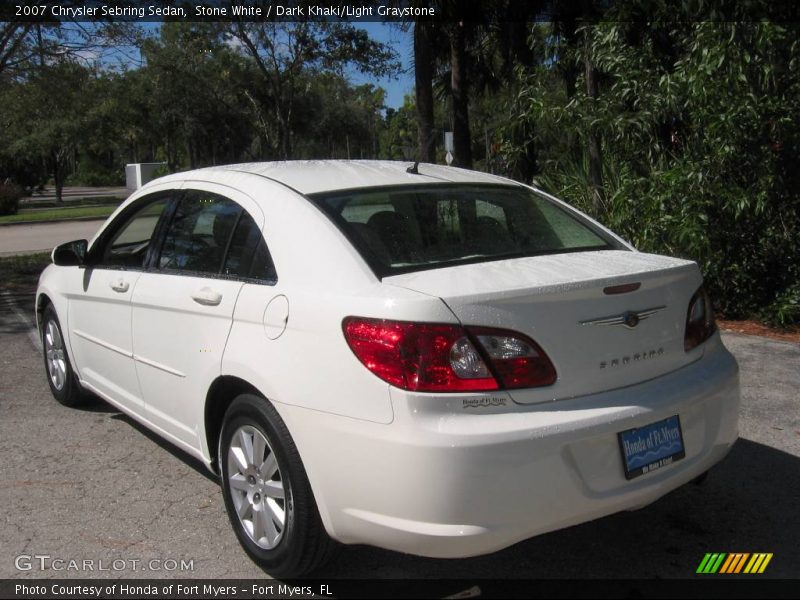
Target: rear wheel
[267, 494]
[60, 376]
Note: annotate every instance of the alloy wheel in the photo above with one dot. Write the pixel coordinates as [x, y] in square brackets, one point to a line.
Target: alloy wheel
[54, 352]
[256, 487]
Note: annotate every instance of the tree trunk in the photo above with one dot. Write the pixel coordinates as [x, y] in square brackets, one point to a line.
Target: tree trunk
[593, 142]
[525, 167]
[40, 45]
[284, 135]
[58, 177]
[459, 85]
[288, 142]
[190, 150]
[423, 78]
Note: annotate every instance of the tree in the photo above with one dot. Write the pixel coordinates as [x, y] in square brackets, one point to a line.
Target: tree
[399, 139]
[698, 129]
[595, 155]
[347, 120]
[47, 116]
[423, 79]
[24, 46]
[459, 90]
[470, 53]
[43, 114]
[13, 38]
[283, 52]
[196, 99]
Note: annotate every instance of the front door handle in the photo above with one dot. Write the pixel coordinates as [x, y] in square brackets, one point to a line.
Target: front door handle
[120, 285]
[207, 297]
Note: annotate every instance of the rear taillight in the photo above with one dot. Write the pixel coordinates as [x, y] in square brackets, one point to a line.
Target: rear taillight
[517, 360]
[700, 323]
[431, 357]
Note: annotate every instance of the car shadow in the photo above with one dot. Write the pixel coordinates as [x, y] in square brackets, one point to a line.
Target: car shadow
[749, 503]
[94, 404]
[185, 457]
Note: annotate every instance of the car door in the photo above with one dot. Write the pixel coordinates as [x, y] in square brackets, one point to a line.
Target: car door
[99, 313]
[183, 309]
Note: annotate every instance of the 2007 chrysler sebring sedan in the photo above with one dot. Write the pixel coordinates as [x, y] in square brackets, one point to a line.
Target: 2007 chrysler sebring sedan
[427, 359]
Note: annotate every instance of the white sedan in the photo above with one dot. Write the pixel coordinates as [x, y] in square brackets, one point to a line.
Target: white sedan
[425, 359]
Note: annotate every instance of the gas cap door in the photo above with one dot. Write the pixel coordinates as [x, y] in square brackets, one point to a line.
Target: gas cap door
[276, 316]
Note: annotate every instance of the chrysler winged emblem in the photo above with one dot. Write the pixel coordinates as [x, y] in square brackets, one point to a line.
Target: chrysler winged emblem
[630, 318]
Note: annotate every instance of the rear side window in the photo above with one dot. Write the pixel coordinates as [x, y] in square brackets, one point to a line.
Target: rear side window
[248, 255]
[198, 233]
[402, 229]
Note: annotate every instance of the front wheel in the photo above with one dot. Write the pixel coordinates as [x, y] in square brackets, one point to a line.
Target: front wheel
[63, 384]
[267, 495]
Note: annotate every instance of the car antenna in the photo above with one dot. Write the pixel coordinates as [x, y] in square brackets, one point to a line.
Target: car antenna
[414, 169]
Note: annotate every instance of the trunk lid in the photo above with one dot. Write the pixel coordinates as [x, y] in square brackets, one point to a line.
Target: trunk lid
[559, 301]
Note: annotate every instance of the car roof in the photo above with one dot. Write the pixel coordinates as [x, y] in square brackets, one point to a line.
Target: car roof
[313, 176]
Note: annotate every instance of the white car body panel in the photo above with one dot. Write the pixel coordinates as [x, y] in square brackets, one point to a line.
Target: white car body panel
[435, 474]
[99, 320]
[311, 333]
[176, 359]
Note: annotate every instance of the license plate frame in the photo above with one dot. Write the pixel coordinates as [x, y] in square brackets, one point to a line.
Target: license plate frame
[650, 447]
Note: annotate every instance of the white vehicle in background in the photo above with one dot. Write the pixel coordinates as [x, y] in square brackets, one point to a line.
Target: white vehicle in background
[431, 360]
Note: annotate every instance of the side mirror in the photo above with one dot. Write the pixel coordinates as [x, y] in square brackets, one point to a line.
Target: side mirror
[71, 254]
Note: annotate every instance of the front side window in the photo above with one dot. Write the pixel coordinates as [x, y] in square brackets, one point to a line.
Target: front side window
[402, 229]
[128, 246]
[199, 232]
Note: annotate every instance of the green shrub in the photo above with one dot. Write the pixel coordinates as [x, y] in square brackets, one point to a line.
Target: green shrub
[699, 135]
[10, 194]
[96, 176]
[785, 311]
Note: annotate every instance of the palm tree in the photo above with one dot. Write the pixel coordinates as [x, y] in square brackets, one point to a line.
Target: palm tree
[423, 79]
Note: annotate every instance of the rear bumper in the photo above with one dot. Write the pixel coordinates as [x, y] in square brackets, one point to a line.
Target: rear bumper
[448, 481]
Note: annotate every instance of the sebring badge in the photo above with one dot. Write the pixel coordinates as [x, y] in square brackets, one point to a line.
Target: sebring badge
[629, 318]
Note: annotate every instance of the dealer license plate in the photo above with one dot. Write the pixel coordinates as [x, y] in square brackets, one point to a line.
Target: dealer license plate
[651, 447]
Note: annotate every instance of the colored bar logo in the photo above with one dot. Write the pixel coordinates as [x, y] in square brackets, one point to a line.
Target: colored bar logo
[734, 563]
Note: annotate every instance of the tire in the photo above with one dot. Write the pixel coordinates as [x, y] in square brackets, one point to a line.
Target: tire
[62, 380]
[264, 481]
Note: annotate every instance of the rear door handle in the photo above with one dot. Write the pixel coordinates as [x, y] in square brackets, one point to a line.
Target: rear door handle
[207, 297]
[120, 285]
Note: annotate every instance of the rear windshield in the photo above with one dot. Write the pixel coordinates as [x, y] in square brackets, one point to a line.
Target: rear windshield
[403, 229]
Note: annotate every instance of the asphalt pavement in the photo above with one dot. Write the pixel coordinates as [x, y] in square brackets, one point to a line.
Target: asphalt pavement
[41, 237]
[90, 484]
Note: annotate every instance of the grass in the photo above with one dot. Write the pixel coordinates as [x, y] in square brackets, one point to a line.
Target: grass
[21, 273]
[59, 213]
